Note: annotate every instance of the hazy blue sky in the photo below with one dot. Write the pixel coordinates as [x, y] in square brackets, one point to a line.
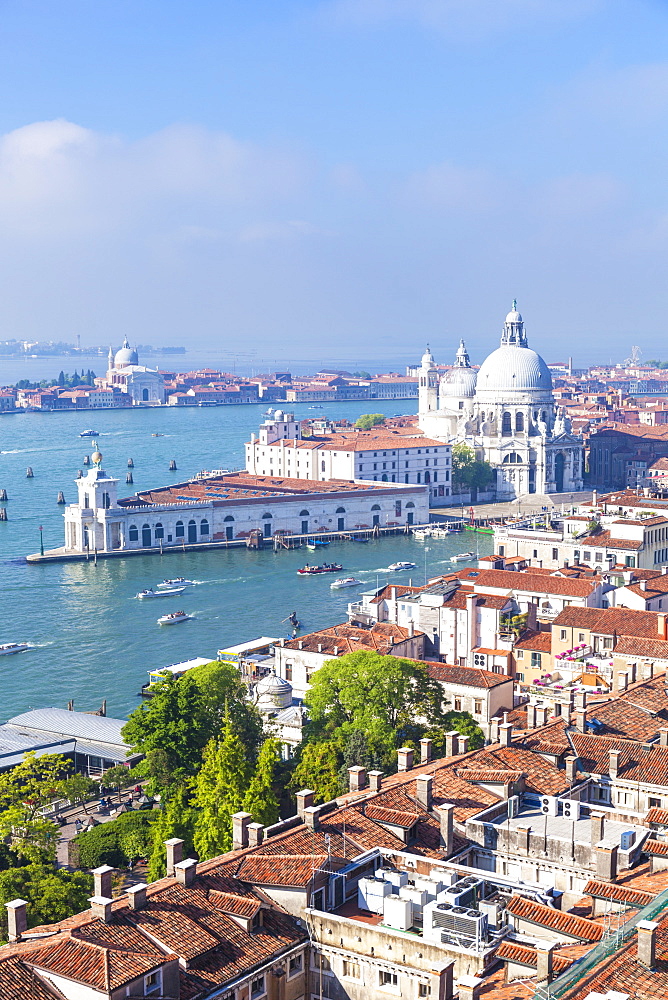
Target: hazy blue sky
[303, 178]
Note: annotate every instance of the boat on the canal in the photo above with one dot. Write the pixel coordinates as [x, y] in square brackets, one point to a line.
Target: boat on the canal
[398, 566]
[463, 557]
[316, 543]
[171, 592]
[88, 434]
[7, 648]
[345, 581]
[315, 570]
[174, 618]
[179, 581]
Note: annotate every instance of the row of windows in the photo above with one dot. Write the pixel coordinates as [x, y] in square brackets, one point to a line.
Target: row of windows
[159, 530]
[388, 979]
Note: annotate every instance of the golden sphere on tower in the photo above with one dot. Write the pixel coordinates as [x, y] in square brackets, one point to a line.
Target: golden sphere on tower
[97, 457]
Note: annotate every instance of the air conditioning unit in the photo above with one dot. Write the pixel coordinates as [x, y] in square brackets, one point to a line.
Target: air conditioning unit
[627, 840]
[513, 806]
[549, 805]
[571, 809]
[457, 921]
[398, 913]
[371, 892]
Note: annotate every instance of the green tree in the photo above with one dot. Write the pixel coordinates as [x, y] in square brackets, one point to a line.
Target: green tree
[219, 792]
[78, 788]
[225, 695]
[468, 471]
[369, 420]
[51, 895]
[61, 380]
[117, 777]
[260, 799]
[464, 723]
[171, 730]
[318, 769]
[177, 819]
[24, 791]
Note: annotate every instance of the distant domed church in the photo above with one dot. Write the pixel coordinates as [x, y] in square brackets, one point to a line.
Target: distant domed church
[143, 385]
[507, 413]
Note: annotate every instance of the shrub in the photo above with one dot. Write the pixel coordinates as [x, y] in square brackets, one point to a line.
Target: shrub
[117, 843]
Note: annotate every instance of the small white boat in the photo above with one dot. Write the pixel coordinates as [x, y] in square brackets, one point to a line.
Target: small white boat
[13, 647]
[345, 581]
[172, 592]
[174, 618]
[179, 581]
[395, 567]
[463, 557]
[88, 434]
[421, 533]
[441, 532]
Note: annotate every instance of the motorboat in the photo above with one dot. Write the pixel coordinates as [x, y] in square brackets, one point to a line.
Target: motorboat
[179, 581]
[422, 533]
[88, 434]
[171, 592]
[463, 557]
[174, 618]
[315, 407]
[13, 647]
[315, 570]
[345, 581]
[157, 434]
[316, 543]
[395, 567]
[441, 532]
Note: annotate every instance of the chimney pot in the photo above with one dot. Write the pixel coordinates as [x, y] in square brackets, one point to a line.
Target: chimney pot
[304, 800]
[356, 778]
[494, 730]
[544, 965]
[469, 987]
[663, 737]
[506, 734]
[443, 981]
[174, 853]
[17, 918]
[531, 716]
[311, 818]
[571, 770]
[255, 834]
[463, 744]
[375, 780]
[336, 651]
[425, 750]
[240, 823]
[424, 791]
[597, 827]
[643, 585]
[102, 880]
[606, 861]
[613, 767]
[101, 907]
[647, 942]
[186, 871]
[581, 720]
[405, 759]
[137, 895]
[541, 715]
[447, 820]
[452, 743]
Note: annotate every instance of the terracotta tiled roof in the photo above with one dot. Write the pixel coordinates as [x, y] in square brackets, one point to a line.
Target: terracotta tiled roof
[230, 902]
[522, 954]
[291, 869]
[381, 638]
[606, 540]
[635, 762]
[557, 920]
[535, 641]
[17, 980]
[617, 893]
[656, 815]
[638, 714]
[657, 649]
[102, 968]
[466, 676]
[540, 775]
[395, 817]
[606, 621]
[656, 847]
[488, 775]
[528, 582]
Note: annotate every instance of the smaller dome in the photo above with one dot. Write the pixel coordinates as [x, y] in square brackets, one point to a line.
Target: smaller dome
[428, 359]
[514, 316]
[278, 415]
[126, 356]
[273, 693]
[458, 382]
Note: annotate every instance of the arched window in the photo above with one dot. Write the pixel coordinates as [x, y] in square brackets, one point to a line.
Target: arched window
[384, 477]
[266, 515]
[144, 395]
[410, 504]
[427, 477]
[303, 513]
[146, 535]
[159, 531]
[512, 459]
[229, 518]
[519, 423]
[180, 533]
[192, 531]
[133, 533]
[419, 477]
[340, 510]
[507, 425]
[204, 527]
[376, 506]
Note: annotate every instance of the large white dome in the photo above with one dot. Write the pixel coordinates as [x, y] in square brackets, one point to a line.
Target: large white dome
[126, 356]
[510, 371]
[458, 382]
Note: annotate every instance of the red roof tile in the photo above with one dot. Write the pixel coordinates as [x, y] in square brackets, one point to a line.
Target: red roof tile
[557, 920]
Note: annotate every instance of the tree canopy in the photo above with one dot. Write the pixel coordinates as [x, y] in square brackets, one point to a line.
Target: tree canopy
[24, 790]
[369, 420]
[467, 470]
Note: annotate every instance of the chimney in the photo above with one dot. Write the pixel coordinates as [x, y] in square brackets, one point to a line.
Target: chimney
[405, 759]
[494, 730]
[311, 817]
[101, 907]
[541, 715]
[581, 720]
[425, 750]
[240, 823]
[606, 861]
[304, 800]
[662, 623]
[447, 817]
[565, 711]
[375, 780]
[356, 778]
[17, 918]
[174, 853]
[442, 988]
[642, 584]
[571, 770]
[320, 647]
[647, 942]
[300, 644]
[423, 790]
[452, 743]
[597, 827]
[102, 880]
[137, 895]
[663, 737]
[255, 834]
[531, 716]
[469, 987]
[613, 767]
[186, 871]
[336, 651]
[581, 699]
[463, 744]
[506, 734]
[544, 967]
[622, 681]
[411, 629]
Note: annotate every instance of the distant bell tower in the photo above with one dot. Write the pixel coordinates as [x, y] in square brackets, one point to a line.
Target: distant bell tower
[428, 383]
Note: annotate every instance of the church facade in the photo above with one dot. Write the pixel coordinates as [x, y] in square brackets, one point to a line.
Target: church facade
[144, 386]
[506, 412]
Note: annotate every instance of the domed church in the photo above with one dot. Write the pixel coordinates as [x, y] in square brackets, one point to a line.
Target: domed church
[507, 413]
[144, 386]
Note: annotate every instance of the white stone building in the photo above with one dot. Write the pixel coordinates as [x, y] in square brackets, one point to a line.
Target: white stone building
[507, 413]
[382, 454]
[145, 386]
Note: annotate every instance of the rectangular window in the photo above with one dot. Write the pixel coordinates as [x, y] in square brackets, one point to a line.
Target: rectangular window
[351, 970]
[519, 653]
[458, 704]
[257, 987]
[562, 634]
[535, 659]
[607, 642]
[581, 637]
[519, 676]
[296, 963]
[654, 803]
[555, 553]
[535, 553]
[587, 555]
[477, 707]
[153, 983]
[424, 990]
[388, 979]
[288, 671]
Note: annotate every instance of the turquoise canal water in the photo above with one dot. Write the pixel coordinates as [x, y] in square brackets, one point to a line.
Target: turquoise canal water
[93, 639]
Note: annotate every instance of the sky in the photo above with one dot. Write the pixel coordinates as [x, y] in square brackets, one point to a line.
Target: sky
[309, 179]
